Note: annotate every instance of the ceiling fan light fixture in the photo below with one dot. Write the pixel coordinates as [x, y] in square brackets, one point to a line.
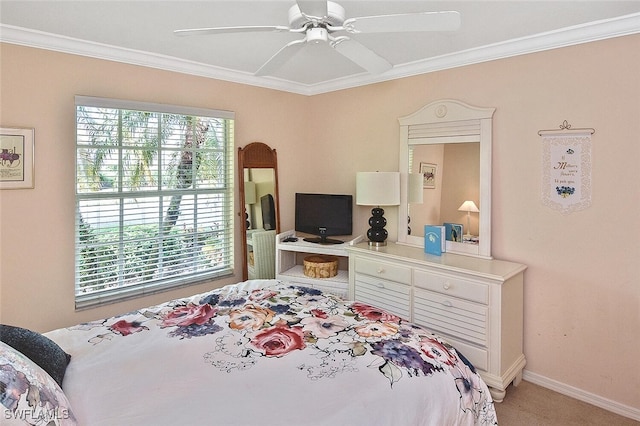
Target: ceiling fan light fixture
[317, 34]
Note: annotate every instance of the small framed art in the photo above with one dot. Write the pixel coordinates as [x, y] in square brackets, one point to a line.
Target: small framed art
[453, 232]
[16, 158]
[429, 172]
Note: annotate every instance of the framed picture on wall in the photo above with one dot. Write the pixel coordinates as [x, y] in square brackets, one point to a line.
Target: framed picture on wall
[429, 173]
[16, 158]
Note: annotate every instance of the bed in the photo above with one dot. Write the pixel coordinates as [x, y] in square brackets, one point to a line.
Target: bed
[263, 352]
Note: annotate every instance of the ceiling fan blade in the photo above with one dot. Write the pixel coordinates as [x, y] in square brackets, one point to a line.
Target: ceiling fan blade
[227, 30]
[361, 55]
[281, 56]
[315, 8]
[405, 22]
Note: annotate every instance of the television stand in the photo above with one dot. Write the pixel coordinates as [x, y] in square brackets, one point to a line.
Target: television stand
[322, 240]
[290, 256]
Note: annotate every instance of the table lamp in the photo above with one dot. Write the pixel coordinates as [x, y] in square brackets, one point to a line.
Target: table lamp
[249, 192]
[468, 206]
[377, 189]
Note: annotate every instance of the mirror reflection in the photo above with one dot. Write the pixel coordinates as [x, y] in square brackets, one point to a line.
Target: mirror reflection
[450, 176]
[260, 216]
[259, 199]
[446, 145]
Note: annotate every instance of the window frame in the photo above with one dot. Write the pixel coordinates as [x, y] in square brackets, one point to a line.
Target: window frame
[122, 292]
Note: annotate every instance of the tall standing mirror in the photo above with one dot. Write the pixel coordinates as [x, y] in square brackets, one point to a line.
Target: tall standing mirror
[260, 211]
[447, 144]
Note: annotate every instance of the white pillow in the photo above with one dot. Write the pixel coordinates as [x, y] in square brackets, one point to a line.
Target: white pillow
[28, 395]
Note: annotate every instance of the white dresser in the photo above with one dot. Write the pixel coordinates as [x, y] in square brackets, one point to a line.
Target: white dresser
[476, 304]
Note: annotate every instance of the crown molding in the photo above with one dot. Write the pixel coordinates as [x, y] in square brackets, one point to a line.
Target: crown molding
[564, 37]
[569, 36]
[58, 43]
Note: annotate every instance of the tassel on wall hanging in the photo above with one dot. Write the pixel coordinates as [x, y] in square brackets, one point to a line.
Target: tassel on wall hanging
[566, 162]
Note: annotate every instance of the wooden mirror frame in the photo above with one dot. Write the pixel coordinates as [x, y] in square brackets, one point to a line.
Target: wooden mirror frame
[449, 121]
[255, 155]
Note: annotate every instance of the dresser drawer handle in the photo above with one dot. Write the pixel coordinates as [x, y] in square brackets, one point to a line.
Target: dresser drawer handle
[380, 271]
[379, 285]
[446, 285]
[447, 304]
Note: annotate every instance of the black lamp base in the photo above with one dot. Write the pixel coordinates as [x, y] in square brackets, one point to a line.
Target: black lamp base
[377, 234]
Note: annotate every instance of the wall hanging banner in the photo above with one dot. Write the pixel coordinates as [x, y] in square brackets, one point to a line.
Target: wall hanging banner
[566, 182]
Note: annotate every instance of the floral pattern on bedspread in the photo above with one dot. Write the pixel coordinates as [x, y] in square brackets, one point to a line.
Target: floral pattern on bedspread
[250, 326]
[28, 394]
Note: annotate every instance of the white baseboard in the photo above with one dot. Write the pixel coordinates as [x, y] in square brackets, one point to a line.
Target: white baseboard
[579, 394]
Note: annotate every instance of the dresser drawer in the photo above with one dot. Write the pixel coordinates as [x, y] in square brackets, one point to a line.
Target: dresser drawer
[474, 304]
[389, 271]
[388, 295]
[479, 357]
[452, 287]
[450, 315]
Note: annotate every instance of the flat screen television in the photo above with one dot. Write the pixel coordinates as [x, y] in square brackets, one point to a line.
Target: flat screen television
[324, 215]
[268, 212]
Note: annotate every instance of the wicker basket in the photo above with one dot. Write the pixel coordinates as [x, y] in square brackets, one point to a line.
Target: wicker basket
[318, 266]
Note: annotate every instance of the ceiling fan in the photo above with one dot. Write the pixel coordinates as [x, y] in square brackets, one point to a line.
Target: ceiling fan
[322, 21]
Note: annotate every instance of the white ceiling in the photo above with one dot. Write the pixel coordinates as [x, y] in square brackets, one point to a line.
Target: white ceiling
[141, 32]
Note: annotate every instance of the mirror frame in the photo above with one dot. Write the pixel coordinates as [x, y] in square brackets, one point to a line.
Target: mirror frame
[449, 121]
[255, 155]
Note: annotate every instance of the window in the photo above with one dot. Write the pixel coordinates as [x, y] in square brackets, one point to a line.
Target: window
[154, 198]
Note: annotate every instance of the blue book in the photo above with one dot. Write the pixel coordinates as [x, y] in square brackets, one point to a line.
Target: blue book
[434, 239]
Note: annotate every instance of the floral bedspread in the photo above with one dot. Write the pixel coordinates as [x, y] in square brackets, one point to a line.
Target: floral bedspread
[270, 353]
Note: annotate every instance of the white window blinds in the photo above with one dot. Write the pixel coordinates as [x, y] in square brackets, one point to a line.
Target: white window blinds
[154, 198]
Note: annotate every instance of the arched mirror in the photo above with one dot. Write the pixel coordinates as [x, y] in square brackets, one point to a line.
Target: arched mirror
[446, 145]
[260, 211]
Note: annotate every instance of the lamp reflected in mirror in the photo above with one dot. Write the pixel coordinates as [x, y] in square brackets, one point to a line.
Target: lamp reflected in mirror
[469, 207]
[249, 199]
[249, 193]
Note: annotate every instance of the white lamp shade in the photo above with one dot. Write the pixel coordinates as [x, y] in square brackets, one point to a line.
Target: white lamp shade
[249, 192]
[378, 188]
[469, 206]
[415, 193]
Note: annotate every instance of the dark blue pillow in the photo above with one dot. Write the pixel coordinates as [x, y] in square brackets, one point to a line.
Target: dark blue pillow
[38, 348]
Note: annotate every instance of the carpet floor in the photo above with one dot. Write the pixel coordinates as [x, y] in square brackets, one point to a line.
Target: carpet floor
[532, 405]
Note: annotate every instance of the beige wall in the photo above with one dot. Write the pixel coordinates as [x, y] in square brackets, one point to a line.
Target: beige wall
[582, 291]
[37, 226]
